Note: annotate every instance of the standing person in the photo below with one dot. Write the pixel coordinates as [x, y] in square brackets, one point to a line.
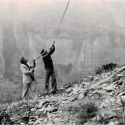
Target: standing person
[49, 69]
[28, 77]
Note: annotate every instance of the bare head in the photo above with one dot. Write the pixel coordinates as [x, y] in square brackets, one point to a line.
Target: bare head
[23, 60]
[43, 51]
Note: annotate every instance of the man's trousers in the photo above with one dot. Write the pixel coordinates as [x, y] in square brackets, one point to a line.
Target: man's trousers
[50, 73]
[29, 90]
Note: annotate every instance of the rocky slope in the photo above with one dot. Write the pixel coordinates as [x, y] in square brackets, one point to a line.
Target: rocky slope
[106, 91]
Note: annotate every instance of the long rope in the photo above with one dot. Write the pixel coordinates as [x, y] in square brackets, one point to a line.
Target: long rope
[61, 21]
[47, 50]
[62, 18]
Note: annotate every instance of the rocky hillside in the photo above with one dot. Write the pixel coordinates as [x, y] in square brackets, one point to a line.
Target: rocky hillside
[96, 100]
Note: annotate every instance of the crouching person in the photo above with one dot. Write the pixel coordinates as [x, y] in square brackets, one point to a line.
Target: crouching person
[28, 77]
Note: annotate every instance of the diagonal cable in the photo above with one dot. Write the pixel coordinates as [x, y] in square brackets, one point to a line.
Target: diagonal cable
[61, 21]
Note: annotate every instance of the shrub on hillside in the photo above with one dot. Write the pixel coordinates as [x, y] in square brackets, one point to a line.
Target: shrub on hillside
[87, 112]
[105, 68]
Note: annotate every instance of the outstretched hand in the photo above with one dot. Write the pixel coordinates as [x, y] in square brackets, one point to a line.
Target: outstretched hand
[33, 71]
[34, 61]
[53, 43]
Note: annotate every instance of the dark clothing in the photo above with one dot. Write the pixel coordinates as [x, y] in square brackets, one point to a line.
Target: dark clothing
[50, 73]
[48, 63]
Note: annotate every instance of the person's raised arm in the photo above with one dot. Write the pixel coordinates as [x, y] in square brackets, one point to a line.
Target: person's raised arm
[53, 49]
[46, 53]
[34, 64]
[49, 52]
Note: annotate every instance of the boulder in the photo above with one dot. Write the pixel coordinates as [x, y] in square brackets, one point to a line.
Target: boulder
[109, 88]
[111, 123]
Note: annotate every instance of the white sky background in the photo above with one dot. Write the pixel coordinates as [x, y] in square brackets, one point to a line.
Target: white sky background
[104, 13]
[42, 13]
[25, 9]
[34, 5]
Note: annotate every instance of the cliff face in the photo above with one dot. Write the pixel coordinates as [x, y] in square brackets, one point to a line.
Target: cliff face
[2, 63]
[90, 35]
[85, 54]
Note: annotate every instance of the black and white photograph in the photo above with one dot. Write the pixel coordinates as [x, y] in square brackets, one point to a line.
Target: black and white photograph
[62, 62]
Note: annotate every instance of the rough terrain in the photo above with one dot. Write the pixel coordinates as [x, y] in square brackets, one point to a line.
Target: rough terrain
[105, 90]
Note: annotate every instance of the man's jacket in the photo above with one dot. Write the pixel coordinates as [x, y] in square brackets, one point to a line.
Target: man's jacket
[26, 73]
[47, 58]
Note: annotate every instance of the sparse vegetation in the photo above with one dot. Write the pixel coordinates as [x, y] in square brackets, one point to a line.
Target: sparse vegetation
[105, 68]
[87, 111]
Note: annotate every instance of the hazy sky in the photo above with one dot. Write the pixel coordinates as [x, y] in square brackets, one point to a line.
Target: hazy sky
[25, 9]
